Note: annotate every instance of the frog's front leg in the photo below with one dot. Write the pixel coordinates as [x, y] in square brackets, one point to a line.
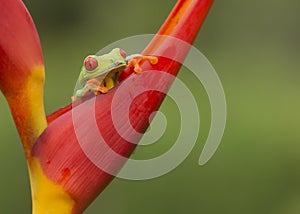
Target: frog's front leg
[92, 85]
[96, 86]
[137, 60]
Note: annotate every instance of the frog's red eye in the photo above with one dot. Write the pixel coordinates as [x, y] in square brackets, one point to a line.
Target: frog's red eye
[123, 54]
[90, 63]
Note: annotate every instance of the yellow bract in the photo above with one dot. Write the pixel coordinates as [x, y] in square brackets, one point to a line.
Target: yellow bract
[27, 107]
[35, 90]
[47, 197]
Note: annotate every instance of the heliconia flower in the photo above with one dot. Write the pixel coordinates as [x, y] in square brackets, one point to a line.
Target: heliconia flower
[85, 145]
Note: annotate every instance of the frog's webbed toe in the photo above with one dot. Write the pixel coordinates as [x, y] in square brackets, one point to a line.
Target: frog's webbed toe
[138, 60]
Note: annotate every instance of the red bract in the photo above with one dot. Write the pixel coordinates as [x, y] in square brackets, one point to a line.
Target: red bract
[83, 143]
[59, 147]
[22, 71]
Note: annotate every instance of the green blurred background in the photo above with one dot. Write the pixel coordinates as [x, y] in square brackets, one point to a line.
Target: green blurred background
[254, 47]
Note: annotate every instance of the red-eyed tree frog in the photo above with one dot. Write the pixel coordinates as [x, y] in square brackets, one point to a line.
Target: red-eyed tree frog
[99, 74]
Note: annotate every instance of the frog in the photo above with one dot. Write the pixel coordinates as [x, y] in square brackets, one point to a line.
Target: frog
[99, 74]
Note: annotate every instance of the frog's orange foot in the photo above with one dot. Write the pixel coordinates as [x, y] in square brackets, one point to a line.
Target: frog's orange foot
[93, 83]
[152, 59]
[97, 87]
[101, 89]
[138, 61]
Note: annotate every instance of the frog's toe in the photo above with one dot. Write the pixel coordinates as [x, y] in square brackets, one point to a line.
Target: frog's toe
[138, 60]
[92, 83]
[152, 59]
[102, 89]
[137, 68]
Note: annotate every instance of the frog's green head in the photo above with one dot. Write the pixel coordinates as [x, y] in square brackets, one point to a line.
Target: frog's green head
[99, 66]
